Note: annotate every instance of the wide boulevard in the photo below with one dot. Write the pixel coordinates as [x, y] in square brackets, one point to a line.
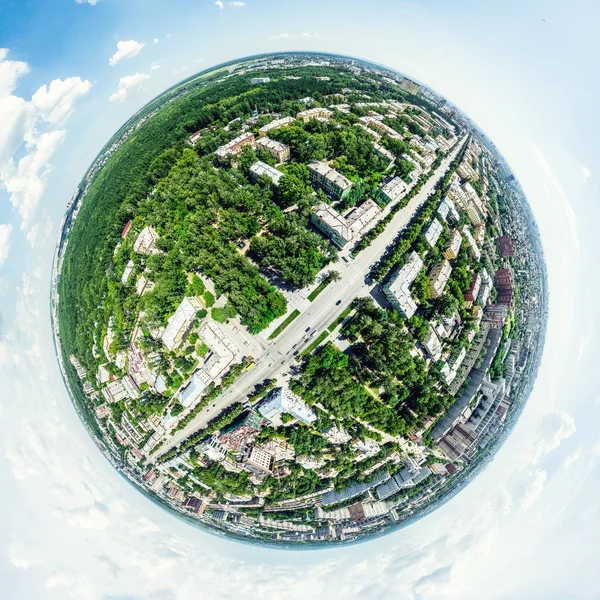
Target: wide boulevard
[279, 354]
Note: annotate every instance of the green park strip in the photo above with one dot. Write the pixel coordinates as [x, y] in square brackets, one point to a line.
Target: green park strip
[344, 314]
[283, 325]
[312, 346]
[318, 289]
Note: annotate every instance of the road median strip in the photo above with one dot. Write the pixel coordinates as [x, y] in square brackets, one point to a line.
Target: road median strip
[283, 325]
[314, 344]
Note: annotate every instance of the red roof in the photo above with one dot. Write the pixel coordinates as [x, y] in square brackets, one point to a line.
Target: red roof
[126, 229]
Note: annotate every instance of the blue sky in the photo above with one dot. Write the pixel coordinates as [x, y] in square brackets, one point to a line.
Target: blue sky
[527, 72]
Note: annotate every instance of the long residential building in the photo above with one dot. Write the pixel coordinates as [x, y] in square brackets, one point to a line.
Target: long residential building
[276, 124]
[397, 289]
[332, 224]
[438, 278]
[334, 184]
[453, 245]
[282, 400]
[180, 322]
[235, 146]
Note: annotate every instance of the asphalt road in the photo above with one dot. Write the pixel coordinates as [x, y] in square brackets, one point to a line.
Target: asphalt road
[279, 353]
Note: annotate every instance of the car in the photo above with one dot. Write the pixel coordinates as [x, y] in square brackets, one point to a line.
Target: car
[344, 259]
[307, 329]
[313, 334]
[338, 302]
[296, 353]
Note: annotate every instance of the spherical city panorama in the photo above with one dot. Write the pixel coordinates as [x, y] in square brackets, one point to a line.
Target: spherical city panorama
[299, 299]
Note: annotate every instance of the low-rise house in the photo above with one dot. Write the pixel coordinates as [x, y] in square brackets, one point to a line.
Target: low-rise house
[432, 344]
[146, 241]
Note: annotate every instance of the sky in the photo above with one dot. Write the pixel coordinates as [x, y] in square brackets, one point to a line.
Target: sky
[72, 71]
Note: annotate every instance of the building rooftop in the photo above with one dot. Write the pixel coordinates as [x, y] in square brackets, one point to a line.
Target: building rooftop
[343, 183]
[433, 232]
[179, 322]
[334, 220]
[282, 400]
[394, 189]
[362, 215]
[261, 168]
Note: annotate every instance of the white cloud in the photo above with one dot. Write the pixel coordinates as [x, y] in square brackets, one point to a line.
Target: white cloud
[155, 66]
[27, 126]
[5, 231]
[587, 173]
[295, 36]
[25, 180]
[125, 49]
[156, 40]
[90, 2]
[237, 4]
[573, 457]
[56, 102]
[19, 558]
[535, 488]
[553, 428]
[220, 4]
[127, 85]
[10, 72]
